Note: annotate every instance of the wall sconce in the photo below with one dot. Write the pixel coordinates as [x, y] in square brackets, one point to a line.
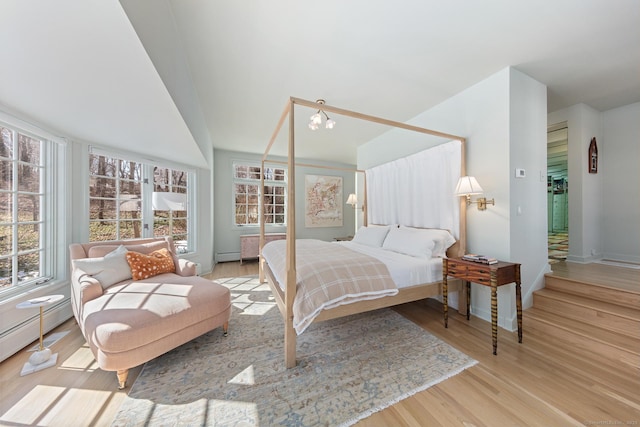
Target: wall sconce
[316, 120]
[468, 185]
[353, 201]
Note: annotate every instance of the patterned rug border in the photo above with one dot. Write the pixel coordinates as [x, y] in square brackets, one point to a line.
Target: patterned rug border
[149, 402]
[392, 402]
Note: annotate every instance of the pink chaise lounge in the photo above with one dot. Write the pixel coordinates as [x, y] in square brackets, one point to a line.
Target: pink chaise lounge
[130, 322]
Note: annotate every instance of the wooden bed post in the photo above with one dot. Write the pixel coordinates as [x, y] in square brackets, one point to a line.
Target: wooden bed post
[283, 116]
[262, 226]
[290, 285]
[365, 208]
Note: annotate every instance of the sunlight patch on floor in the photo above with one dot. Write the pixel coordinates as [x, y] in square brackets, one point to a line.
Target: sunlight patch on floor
[81, 360]
[246, 377]
[42, 403]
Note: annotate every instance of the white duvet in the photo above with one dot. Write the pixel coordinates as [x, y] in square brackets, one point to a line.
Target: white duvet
[405, 270]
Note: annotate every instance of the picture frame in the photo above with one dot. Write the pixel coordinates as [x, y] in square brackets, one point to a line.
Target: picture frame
[323, 201]
[593, 156]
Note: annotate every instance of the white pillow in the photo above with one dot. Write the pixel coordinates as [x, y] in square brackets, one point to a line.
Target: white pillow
[407, 241]
[108, 270]
[371, 236]
[442, 239]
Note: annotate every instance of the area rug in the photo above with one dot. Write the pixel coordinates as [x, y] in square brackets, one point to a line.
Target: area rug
[347, 369]
[558, 246]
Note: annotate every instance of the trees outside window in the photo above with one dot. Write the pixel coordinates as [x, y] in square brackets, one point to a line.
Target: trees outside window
[22, 179]
[248, 201]
[123, 206]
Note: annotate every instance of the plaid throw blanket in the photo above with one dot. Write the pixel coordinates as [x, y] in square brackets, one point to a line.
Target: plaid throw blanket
[328, 275]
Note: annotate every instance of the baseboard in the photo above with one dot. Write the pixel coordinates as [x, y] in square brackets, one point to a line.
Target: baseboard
[28, 332]
[503, 321]
[621, 257]
[227, 256]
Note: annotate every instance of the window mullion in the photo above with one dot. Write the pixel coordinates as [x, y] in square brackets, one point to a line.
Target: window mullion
[15, 210]
[148, 215]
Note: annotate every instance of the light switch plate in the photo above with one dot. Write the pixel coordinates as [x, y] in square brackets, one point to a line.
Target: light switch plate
[520, 173]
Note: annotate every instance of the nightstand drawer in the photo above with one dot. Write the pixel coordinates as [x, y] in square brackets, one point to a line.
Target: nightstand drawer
[479, 274]
[457, 270]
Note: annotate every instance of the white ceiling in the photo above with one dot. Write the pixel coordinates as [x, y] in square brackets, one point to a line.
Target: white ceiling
[79, 67]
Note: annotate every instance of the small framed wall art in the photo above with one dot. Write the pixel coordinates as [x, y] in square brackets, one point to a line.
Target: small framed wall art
[593, 156]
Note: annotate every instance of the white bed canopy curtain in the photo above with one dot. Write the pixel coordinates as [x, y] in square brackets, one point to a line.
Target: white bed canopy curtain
[417, 190]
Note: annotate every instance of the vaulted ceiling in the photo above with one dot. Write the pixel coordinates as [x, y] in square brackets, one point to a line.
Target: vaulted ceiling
[170, 77]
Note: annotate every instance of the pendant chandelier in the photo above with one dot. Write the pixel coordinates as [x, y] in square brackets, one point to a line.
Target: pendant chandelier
[316, 119]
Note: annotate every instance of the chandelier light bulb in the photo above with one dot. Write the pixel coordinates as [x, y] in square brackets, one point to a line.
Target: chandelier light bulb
[330, 124]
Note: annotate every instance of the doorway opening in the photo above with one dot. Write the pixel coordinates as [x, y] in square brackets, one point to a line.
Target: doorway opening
[558, 192]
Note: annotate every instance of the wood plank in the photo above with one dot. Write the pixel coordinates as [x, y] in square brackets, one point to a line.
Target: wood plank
[613, 317]
[613, 294]
[599, 274]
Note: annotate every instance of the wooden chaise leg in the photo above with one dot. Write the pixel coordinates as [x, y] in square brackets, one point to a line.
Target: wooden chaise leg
[225, 328]
[122, 378]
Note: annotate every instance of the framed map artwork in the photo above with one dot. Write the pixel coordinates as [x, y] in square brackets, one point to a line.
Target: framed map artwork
[323, 201]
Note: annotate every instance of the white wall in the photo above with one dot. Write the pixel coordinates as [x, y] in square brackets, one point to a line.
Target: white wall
[619, 155]
[227, 240]
[503, 119]
[528, 196]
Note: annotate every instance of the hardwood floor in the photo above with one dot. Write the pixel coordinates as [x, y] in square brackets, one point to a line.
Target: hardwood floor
[541, 382]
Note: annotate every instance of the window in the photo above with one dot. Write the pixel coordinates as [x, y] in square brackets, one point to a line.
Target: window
[115, 195]
[170, 205]
[122, 207]
[246, 187]
[22, 180]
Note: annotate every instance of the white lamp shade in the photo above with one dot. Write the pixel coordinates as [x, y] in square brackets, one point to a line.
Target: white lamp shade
[165, 201]
[468, 185]
[352, 199]
[330, 124]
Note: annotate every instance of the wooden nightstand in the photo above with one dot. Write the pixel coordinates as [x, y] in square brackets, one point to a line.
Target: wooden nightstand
[493, 275]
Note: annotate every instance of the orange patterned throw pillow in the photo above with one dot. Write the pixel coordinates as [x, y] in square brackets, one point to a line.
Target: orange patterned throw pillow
[145, 266]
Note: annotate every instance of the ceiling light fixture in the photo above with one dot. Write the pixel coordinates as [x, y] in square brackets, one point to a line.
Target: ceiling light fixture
[316, 119]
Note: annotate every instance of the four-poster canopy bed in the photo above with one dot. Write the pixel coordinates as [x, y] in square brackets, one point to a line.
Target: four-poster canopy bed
[283, 270]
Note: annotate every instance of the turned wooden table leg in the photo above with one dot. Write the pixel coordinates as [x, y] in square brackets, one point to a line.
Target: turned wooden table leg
[445, 300]
[519, 303]
[494, 312]
[468, 300]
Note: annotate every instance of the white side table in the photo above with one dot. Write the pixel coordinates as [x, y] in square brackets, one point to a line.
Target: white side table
[42, 358]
